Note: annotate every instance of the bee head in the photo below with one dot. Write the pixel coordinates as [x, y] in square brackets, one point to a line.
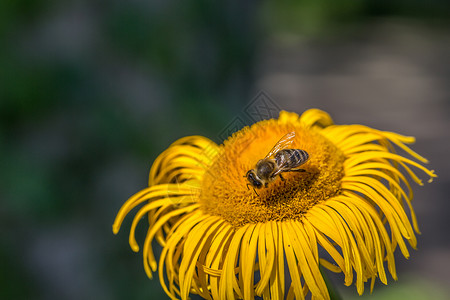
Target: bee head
[253, 179]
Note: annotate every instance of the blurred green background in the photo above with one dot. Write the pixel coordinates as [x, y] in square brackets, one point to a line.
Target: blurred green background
[92, 91]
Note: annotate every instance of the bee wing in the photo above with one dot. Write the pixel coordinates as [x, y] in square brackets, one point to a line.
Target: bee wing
[281, 169]
[284, 142]
[285, 167]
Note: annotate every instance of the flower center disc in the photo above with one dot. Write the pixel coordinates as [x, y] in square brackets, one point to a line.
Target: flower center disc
[224, 188]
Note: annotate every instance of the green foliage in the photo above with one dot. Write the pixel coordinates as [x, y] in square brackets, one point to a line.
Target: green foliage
[311, 16]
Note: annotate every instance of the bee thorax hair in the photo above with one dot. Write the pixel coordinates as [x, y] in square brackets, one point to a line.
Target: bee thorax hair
[265, 167]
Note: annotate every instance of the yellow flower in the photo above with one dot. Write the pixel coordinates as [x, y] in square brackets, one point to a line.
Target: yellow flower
[222, 240]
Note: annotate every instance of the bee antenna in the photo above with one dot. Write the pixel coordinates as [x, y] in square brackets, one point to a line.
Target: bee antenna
[255, 192]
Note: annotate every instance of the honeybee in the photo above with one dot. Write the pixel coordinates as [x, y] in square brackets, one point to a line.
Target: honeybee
[278, 160]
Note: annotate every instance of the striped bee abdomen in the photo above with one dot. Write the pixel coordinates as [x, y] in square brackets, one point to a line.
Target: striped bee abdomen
[291, 158]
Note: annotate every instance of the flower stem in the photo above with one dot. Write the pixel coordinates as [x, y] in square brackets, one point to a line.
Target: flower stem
[332, 290]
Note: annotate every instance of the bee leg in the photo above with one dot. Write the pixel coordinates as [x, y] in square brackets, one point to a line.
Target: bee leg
[253, 189]
[281, 177]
